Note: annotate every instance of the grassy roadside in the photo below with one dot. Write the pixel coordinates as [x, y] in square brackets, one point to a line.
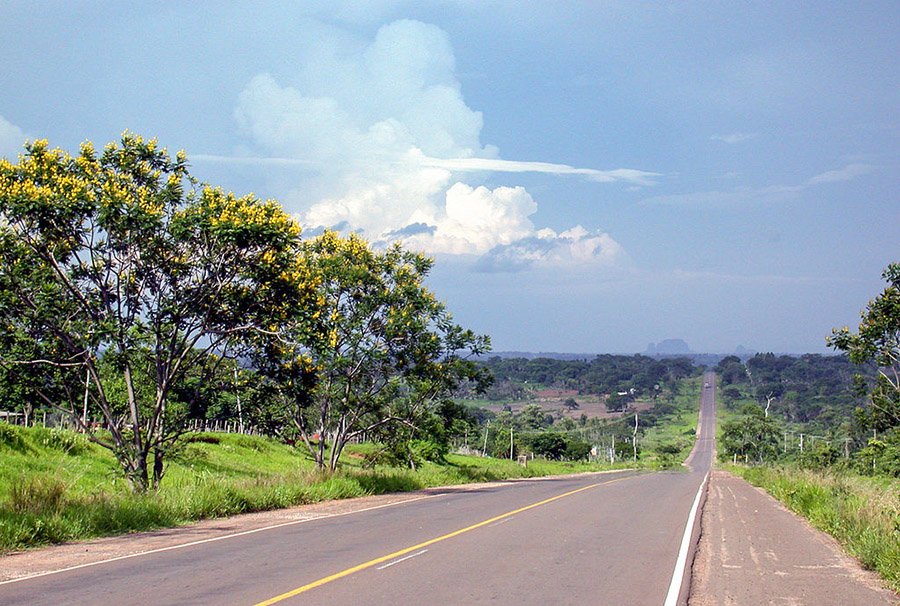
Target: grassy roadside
[862, 513]
[55, 486]
[668, 443]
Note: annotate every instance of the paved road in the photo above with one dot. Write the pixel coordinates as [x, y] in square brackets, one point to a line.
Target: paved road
[595, 538]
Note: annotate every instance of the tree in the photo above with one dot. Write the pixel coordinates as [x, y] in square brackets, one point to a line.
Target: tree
[752, 435]
[878, 341]
[577, 450]
[119, 274]
[550, 444]
[532, 418]
[381, 352]
[571, 404]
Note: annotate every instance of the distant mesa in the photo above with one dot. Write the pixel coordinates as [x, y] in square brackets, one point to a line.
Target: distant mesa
[669, 347]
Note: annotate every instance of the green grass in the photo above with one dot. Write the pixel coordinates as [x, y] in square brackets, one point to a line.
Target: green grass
[669, 442]
[862, 513]
[55, 486]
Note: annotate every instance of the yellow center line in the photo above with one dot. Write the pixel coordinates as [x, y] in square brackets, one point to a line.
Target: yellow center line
[407, 550]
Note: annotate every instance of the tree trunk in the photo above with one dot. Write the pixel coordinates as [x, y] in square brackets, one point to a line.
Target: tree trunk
[158, 468]
[136, 472]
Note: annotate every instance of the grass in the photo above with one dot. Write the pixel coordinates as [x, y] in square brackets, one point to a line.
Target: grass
[55, 486]
[670, 441]
[862, 513]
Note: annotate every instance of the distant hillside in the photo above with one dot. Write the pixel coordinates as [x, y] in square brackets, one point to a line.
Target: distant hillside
[676, 347]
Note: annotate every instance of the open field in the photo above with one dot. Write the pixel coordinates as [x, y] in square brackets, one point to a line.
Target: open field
[589, 405]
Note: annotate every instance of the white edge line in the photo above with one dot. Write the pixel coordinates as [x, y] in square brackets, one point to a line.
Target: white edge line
[403, 559]
[678, 573]
[213, 539]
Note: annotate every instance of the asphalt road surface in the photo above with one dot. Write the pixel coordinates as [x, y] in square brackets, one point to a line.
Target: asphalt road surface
[612, 538]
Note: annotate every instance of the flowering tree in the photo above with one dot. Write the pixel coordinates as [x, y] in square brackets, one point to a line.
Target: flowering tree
[123, 257]
[381, 350]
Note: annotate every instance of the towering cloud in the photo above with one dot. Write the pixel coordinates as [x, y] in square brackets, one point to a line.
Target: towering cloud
[382, 131]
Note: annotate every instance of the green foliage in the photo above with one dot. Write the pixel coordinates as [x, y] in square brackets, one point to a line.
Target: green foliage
[48, 496]
[36, 495]
[731, 371]
[577, 450]
[63, 440]
[878, 341]
[11, 437]
[751, 436]
[549, 445]
[382, 351]
[820, 456]
[604, 374]
[120, 275]
[880, 456]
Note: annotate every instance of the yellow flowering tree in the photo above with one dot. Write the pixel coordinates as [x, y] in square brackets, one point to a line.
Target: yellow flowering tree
[381, 350]
[123, 258]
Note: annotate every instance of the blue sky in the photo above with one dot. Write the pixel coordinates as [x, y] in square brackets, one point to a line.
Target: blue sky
[591, 176]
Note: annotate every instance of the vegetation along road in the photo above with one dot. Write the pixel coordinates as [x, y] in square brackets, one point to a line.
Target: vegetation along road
[614, 537]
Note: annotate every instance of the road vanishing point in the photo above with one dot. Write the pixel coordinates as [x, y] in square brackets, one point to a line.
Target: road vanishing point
[623, 537]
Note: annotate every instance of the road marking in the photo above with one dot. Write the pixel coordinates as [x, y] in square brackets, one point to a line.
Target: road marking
[219, 538]
[401, 552]
[503, 521]
[403, 559]
[681, 562]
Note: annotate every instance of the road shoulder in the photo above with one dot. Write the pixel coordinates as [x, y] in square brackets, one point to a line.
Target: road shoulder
[753, 551]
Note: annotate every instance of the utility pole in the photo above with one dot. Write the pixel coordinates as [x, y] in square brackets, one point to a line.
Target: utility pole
[510, 442]
[801, 443]
[634, 436]
[484, 450]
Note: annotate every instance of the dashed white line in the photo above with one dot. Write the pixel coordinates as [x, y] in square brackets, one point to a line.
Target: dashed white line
[403, 559]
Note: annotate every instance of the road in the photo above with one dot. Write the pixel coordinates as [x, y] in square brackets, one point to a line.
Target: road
[594, 538]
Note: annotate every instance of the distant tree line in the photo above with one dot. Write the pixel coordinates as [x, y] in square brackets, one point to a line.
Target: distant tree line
[603, 375]
[845, 409]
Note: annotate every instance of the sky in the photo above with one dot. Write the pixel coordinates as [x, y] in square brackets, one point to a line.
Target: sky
[590, 177]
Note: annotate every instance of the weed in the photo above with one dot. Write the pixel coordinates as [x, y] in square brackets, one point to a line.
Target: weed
[37, 495]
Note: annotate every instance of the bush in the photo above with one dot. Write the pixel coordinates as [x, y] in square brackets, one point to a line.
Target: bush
[204, 438]
[550, 445]
[881, 456]
[577, 450]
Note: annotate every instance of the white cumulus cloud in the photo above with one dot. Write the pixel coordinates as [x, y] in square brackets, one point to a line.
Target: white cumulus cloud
[548, 250]
[380, 136]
